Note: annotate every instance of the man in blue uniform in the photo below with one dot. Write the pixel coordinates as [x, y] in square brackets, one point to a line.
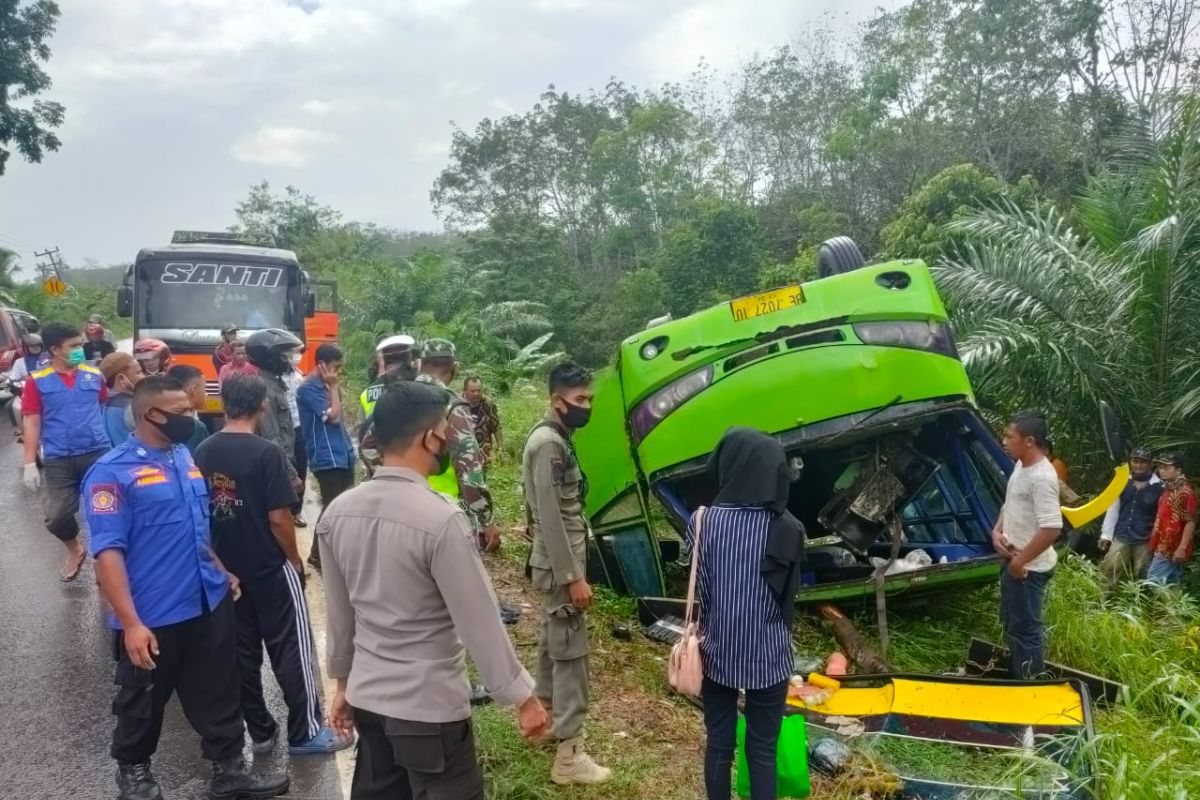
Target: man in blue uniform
[172, 600]
[63, 407]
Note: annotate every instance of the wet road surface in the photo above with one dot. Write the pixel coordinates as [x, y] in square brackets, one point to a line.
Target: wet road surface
[56, 676]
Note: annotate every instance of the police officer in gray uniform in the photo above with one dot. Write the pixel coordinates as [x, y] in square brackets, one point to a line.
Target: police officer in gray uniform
[555, 489]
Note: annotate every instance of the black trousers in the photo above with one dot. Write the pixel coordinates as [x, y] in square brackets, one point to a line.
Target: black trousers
[197, 659]
[402, 760]
[273, 611]
[331, 482]
[60, 496]
[300, 459]
[764, 717]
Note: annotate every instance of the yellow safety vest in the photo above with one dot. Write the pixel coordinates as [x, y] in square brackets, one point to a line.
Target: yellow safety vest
[446, 482]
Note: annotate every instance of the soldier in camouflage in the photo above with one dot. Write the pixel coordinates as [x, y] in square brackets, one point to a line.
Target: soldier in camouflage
[466, 480]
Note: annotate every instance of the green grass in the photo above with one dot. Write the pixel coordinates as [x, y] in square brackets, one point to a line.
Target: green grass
[1146, 748]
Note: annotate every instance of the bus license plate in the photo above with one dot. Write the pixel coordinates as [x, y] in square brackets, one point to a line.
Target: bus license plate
[766, 303]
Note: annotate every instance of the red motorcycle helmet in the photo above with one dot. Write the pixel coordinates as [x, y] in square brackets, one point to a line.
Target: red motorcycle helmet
[153, 355]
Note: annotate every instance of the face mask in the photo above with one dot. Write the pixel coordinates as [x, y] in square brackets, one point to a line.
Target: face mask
[442, 456]
[295, 358]
[76, 357]
[178, 428]
[575, 417]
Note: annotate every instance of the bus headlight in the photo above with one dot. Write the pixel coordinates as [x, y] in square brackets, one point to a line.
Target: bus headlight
[933, 337]
[657, 406]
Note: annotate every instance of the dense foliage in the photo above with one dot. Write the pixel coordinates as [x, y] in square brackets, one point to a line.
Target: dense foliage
[1038, 151]
[27, 122]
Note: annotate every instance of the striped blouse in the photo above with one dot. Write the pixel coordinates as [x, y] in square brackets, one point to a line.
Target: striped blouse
[744, 643]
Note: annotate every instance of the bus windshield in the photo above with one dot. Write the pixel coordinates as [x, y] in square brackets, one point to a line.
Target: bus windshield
[188, 294]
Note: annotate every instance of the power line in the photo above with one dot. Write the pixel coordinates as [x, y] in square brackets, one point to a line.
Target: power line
[52, 265]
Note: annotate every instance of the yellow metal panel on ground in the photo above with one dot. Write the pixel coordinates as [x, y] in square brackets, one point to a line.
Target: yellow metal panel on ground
[1055, 704]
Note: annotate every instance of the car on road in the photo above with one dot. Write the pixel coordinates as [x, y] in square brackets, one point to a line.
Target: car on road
[857, 375]
[14, 323]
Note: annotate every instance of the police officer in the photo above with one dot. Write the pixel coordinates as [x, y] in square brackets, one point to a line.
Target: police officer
[464, 478]
[396, 358]
[555, 489]
[172, 601]
[270, 350]
[397, 353]
[63, 407]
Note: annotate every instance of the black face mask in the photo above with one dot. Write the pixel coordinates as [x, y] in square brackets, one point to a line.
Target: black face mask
[178, 428]
[442, 456]
[575, 417]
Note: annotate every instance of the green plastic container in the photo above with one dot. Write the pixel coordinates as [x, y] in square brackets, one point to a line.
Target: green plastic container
[791, 759]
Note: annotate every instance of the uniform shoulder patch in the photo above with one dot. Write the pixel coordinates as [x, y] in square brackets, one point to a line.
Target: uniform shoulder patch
[558, 471]
[103, 499]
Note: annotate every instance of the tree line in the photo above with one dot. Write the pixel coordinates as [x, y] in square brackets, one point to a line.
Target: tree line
[1038, 153]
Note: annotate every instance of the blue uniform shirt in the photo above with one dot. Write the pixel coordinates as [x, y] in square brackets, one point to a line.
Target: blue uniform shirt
[327, 441]
[153, 506]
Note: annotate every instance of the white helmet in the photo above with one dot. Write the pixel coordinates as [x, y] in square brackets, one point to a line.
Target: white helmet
[399, 342]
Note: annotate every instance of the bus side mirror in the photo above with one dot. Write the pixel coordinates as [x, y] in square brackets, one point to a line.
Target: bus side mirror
[310, 304]
[125, 301]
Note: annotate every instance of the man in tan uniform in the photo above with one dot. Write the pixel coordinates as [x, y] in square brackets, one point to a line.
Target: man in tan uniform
[555, 489]
[407, 597]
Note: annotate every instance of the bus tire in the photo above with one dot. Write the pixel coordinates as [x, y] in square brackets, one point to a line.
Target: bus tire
[838, 256]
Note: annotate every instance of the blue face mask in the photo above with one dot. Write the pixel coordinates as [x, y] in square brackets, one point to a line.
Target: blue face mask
[76, 357]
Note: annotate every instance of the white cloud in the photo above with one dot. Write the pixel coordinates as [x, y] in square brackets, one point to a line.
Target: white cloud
[279, 147]
[317, 108]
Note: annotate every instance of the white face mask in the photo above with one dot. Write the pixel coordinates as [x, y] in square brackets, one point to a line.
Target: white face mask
[295, 359]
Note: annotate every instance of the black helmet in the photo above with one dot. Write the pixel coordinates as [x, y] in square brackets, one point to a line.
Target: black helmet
[268, 349]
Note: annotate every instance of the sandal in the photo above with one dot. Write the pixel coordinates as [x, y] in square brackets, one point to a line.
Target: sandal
[67, 577]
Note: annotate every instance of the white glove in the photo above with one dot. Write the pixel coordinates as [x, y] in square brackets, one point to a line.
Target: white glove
[33, 478]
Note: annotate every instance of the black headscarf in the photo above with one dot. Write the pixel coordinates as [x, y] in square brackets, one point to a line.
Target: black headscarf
[750, 469]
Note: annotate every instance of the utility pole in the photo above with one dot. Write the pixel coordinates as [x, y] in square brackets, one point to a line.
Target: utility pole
[52, 265]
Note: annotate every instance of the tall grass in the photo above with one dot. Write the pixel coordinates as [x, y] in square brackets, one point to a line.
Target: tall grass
[1147, 747]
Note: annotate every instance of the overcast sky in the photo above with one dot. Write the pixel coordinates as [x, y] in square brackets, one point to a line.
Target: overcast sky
[175, 107]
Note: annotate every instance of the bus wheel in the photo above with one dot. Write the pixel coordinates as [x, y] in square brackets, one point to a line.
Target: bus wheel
[838, 256]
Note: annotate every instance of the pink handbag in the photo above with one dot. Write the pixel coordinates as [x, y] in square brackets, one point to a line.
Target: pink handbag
[685, 673]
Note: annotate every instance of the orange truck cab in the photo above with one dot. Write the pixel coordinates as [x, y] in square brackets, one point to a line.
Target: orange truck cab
[184, 292]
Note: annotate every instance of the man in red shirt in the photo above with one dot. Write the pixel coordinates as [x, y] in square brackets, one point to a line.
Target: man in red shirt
[1175, 525]
[240, 365]
[63, 407]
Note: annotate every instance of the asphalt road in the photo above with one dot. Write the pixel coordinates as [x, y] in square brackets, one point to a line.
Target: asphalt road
[56, 677]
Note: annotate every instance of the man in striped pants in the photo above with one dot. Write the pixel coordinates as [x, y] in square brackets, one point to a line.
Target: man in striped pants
[254, 536]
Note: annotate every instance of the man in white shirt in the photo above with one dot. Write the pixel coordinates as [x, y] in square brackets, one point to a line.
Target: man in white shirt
[1029, 525]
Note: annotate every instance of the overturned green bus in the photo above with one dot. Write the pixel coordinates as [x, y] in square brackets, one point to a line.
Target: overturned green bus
[858, 377]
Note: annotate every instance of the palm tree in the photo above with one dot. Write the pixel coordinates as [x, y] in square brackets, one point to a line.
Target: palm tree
[1060, 311]
[8, 268]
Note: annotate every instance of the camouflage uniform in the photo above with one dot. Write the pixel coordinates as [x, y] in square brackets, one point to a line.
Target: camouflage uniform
[487, 426]
[467, 459]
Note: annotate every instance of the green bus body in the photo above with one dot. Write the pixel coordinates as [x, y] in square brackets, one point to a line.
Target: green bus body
[848, 357]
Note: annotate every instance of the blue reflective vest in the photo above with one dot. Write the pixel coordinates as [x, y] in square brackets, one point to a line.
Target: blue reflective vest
[72, 418]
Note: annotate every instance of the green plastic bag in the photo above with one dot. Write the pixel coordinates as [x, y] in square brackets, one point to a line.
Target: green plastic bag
[791, 760]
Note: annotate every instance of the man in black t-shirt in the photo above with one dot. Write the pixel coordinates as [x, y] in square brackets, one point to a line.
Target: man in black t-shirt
[254, 537]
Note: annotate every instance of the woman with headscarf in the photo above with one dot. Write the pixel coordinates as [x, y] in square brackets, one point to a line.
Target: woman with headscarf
[750, 556]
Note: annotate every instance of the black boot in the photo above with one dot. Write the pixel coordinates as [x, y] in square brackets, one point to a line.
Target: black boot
[136, 783]
[233, 780]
